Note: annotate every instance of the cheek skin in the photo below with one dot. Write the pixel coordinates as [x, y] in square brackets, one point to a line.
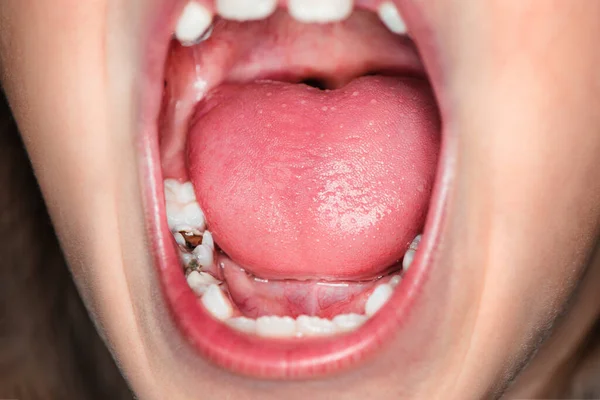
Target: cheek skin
[56, 76]
[527, 101]
[60, 114]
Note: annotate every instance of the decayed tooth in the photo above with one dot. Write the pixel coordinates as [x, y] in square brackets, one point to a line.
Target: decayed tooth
[313, 326]
[348, 322]
[186, 258]
[208, 240]
[320, 11]
[243, 324]
[390, 16]
[216, 303]
[273, 326]
[194, 22]
[246, 10]
[204, 255]
[200, 281]
[378, 298]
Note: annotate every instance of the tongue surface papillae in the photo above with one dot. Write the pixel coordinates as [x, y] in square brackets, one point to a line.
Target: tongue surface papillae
[298, 182]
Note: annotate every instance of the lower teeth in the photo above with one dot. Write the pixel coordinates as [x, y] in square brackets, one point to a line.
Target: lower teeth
[196, 249]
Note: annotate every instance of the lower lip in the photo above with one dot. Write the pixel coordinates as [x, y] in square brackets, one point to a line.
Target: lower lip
[268, 358]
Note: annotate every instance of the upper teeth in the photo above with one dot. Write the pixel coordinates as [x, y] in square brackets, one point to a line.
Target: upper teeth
[193, 24]
[245, 10]
[204, 255]
[391, 17]
[320, 11]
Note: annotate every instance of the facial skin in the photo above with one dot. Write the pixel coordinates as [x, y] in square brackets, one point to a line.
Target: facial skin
[522, 91]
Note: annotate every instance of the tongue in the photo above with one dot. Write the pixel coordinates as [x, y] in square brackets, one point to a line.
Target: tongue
[298, 182]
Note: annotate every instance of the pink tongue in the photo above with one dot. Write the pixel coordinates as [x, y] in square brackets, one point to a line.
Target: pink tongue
[299, 182]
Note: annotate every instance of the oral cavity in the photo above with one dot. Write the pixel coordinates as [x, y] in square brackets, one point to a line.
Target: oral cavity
[296, 210]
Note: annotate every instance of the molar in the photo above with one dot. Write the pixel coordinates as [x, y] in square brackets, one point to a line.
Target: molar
[216, 303]
[200, 281]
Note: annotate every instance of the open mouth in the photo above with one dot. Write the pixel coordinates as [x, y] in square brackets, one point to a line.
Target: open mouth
[291, 163]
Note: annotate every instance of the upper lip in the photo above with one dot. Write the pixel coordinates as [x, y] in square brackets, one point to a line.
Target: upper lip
[217, 342]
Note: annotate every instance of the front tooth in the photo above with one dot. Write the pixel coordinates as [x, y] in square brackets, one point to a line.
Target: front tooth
[378, 298]
[311, 326]
[408, 258]
[194, 21]
[273, 326]
[204, 255]
[246, 10]
[216, 303]
[390, 16]
[242, 324]
[348, 322]
[320, 11]
[200, 281]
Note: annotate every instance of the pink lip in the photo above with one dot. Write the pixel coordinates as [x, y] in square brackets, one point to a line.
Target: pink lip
[254, 356]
